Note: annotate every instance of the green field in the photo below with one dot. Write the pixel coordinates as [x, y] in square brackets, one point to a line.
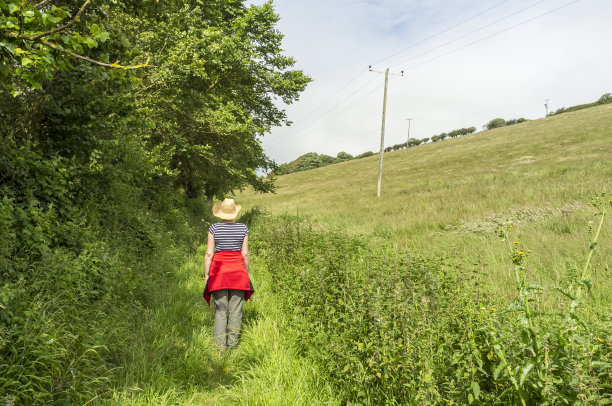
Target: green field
[480, 276]
[451, 196]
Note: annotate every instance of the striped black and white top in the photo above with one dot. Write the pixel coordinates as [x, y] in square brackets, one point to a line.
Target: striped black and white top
[228, 236]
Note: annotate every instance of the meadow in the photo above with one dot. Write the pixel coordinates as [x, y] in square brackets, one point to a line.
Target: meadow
[480, 276]
[451, 196]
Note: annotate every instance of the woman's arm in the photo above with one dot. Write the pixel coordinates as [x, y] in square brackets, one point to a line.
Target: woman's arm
[210, 251]
[245, 252]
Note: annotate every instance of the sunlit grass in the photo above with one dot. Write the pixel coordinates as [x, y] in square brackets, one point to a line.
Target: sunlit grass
[173, 361]
[449, 196]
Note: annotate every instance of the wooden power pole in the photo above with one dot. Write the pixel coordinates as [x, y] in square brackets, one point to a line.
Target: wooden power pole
[382, 130]
[408, 139]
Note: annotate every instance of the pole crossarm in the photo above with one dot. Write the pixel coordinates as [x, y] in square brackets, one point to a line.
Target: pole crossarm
[383, 72]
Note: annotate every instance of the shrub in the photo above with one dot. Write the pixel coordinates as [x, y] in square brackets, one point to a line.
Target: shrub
[495, 123]
[365, 154]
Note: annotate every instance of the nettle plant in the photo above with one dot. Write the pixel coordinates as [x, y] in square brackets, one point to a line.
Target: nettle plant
[547, 360]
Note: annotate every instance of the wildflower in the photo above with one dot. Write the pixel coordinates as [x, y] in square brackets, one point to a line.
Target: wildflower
[516, 242]
[510, 227]
[378, 374]
[494, 309]
[521, 252]
[600, 340]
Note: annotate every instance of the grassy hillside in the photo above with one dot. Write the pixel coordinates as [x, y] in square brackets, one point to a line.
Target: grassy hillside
[450, 197]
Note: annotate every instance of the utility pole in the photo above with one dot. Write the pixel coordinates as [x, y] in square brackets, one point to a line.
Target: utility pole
[546, 105]
[408, 139]
[382, 130]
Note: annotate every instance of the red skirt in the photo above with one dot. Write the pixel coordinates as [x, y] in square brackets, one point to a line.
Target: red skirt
[227, 271]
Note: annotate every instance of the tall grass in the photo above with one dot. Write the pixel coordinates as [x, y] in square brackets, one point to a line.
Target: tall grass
[454, 194]
[172, 360]
[392, 327]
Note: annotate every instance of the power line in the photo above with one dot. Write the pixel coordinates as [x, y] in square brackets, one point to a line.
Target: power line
[397, 53]
[492, 35]
[439, 33]
[319, 106]
[471, 32]
[283, 141]
[356, 102]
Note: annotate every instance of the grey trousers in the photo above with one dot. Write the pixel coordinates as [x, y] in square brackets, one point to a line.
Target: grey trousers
[228, 316]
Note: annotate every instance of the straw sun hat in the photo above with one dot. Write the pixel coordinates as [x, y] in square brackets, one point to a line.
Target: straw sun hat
[226, 210]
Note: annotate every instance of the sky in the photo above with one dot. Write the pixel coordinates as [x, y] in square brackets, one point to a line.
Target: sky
[464, 63]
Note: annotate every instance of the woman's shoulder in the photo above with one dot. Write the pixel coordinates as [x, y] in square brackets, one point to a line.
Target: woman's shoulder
[244, 227]
[224, 224]
[213, 226]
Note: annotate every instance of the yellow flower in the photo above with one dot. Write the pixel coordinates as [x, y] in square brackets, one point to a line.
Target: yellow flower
[521, 252]
[516, 242]
[510, 227]
[600, 340]
[494, 309]
[378, 374]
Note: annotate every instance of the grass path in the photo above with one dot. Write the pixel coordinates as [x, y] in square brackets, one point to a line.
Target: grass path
[173, 361]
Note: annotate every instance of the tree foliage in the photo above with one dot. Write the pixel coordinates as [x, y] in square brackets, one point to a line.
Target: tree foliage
[500, 122]
[604, 99]
[99, 163]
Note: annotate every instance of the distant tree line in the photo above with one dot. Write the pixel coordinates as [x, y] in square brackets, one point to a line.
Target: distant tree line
[604, 99]
[312, 160]
[500, 122]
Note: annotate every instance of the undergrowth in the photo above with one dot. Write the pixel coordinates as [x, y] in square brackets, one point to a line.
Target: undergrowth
[389, 327]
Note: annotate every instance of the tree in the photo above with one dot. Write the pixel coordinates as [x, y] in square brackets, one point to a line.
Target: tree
[495, 123]
[343, 156]
[605, 98]
[365, 155]
[213, 94]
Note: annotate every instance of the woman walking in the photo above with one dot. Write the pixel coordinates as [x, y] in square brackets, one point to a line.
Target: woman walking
[226, 266]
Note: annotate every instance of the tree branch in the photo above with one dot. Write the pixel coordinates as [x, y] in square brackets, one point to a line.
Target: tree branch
[58, 48]
[42, 3]
[75, 20]
[93, 61]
